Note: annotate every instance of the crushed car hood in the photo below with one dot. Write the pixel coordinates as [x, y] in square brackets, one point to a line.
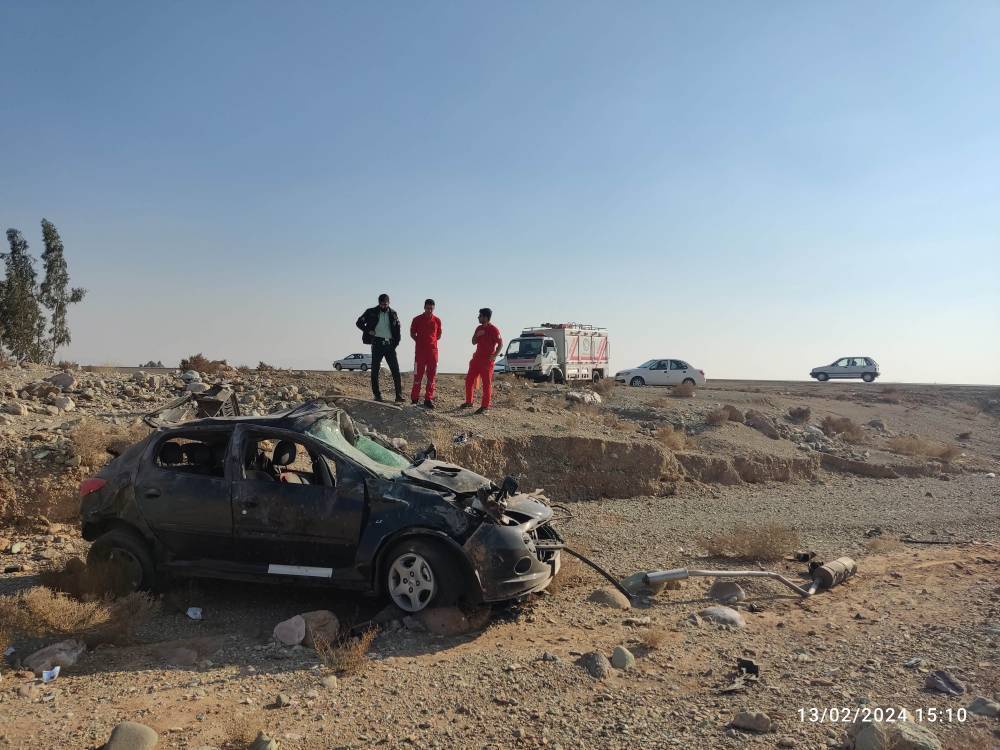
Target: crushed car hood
[445, 476]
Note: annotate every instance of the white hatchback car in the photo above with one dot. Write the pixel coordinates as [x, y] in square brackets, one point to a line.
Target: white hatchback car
[865, 368]
[662, 372]
[361, 362]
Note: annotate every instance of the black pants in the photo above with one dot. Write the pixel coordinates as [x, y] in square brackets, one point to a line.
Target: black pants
[382, 348]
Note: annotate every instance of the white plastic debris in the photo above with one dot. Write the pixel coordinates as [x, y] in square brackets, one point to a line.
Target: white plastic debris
[194, 613]
[51, 674]
[991, 475]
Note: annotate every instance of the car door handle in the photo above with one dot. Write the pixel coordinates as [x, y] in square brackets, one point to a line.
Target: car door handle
[152, 492]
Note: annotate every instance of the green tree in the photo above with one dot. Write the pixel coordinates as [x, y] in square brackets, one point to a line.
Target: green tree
[24, 323]
[55, 292]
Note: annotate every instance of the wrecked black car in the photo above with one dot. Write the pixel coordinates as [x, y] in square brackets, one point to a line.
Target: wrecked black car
[309, 495]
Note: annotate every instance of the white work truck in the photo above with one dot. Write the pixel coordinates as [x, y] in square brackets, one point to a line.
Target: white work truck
[559, 352]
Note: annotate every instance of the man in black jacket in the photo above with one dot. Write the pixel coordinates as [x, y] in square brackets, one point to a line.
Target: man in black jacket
[380, 328]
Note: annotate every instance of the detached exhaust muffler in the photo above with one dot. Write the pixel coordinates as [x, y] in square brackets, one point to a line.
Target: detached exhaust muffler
[824, 576]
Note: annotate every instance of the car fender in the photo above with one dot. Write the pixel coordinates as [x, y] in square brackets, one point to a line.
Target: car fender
[456, 550]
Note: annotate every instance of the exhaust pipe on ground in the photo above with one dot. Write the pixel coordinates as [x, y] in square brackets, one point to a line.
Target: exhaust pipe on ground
[824, 576]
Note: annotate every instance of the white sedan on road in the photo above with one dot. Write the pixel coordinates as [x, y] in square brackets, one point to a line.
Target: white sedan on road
[358, 361]
[662, 372]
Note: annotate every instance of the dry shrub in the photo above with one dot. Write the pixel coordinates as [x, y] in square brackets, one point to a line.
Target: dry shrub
[661, 403]
[571, 575]
[881, 545]
[717, 417]
[92, 441]
[41, 612]
[734, 414]
[65, 364]
[265, 367]
[848, 430]
[237, 732]
[672, 438]
[684, 390]
[799, 414]
[86, 582]
[345, 655]
[200, 363]
[911, 445]
[769, 542]
[654, 638]
[605, 386]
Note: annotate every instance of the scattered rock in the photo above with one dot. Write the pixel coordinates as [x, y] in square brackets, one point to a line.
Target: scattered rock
[877, 424]
[63, 654]
[900, 735]
[723, 616]
[131, 736]
[263, 742]
[196, 387]
[329, 682]
[282, 700]
[944, 682]
[984, 707]
[64, 380]
[596, 664]
[762, 423]
[726, 592]
[63, 403]
[15, 408]
[322, 623]
[622, 658]
[613, 598]
[753, 722]
[451, 620]
[291, 631]
[584, 397]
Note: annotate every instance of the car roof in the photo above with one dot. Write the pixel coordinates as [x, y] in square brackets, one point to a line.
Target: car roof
[284, 419]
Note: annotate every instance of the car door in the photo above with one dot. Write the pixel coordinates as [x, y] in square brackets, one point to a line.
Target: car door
[678, 371]
[659, 373]
[840, 368]
[188, 505]
[297, 529]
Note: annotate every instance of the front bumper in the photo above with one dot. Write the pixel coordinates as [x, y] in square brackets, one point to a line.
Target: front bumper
[512, 561]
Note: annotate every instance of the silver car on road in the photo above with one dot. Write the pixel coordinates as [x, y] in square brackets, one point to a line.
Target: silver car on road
[865, 368]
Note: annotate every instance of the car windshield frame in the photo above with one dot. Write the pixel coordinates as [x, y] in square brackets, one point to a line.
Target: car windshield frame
[537, 342]
[327, 431]
[647, 364]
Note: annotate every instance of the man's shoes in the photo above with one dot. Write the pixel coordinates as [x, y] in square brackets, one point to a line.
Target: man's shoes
[377, 398]
[414, 401]
[482, 410]
[428, 404]
[465, 406]
[400, 400]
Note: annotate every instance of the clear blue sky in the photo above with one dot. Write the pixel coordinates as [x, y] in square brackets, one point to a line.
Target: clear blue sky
[755, 187]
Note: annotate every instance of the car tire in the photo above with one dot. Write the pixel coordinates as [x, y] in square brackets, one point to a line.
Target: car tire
[364, 368]
[426, 564]
[337, 366]
[689, 381]
[867, 377]
[138, 572]
[822, 377]
[637, 382]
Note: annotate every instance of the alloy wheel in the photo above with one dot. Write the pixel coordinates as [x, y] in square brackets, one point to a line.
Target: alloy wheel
[411, 582]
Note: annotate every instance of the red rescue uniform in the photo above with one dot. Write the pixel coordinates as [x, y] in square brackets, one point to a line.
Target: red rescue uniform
[487, 338]
[425, 330]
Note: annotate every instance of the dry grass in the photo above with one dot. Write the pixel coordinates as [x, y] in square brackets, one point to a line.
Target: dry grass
[844, 427]
[717, 417]
[769, 542]
[92, 441]
[881, 545]
[200, 363]
[799, 414]
[40, 612]
[85, 582]
[654, 638]
[672, 438]
[237, 732]
[571, 575]
[684, 390]
[911, 445]
[605, 386]
[345, 655]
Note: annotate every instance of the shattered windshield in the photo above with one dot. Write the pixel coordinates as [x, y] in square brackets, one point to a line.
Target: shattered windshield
[524, 348]
[354, 445]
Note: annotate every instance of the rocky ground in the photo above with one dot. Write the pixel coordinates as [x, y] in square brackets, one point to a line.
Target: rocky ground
[523, 675]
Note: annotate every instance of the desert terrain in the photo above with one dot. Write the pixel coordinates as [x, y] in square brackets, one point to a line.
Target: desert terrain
[739, 474]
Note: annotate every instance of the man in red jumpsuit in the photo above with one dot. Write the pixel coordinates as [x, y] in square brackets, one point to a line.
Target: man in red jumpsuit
[487, 341]
[425, 330]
